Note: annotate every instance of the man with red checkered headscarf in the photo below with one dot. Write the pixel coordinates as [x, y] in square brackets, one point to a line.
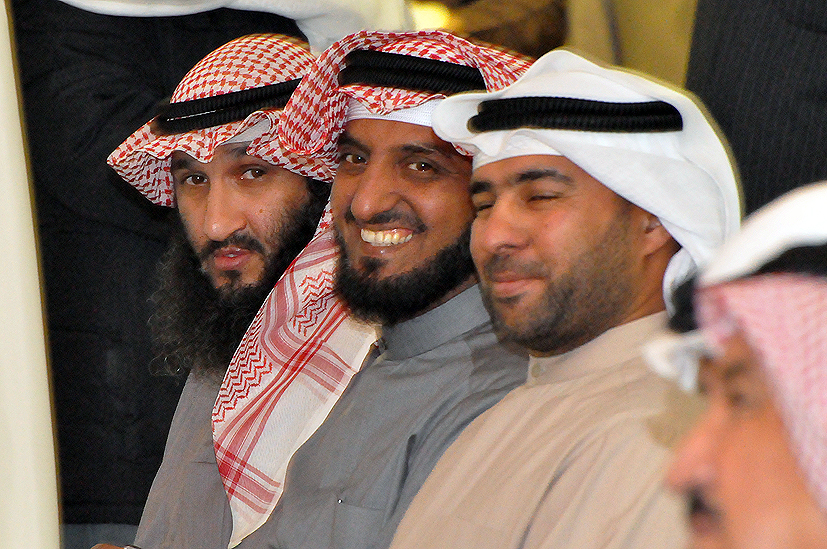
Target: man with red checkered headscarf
[243, 218]
[754, 468]
[402, 212]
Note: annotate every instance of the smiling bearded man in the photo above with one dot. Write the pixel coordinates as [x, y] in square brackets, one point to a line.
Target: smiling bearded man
[401, 210]
[397, 263]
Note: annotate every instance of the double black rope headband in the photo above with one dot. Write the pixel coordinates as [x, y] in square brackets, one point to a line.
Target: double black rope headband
[198, 114]
[394, 70]
[565, 113]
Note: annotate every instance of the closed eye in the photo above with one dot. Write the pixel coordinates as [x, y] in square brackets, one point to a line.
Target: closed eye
[541, 197]
[482, 202]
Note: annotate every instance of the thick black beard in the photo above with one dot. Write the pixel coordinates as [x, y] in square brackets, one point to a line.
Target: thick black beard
[406, 295]
[198, 328]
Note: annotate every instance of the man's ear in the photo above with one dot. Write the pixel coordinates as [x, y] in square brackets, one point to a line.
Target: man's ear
[655, 236]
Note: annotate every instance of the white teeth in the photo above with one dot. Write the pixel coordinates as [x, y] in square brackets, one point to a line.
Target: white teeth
[385, 238]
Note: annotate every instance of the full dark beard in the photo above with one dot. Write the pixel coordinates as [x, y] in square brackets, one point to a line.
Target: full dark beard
[406, 295]
[198, 328]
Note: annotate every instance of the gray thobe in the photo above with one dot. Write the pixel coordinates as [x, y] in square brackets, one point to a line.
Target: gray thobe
[348, 486]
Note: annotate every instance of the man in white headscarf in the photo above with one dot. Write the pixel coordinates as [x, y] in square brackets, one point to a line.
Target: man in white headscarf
[596, 191]
[754, 469]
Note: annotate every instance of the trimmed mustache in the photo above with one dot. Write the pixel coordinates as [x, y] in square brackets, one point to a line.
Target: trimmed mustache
[391, 216]
[243, 241]
[697, 505]
[506, 263]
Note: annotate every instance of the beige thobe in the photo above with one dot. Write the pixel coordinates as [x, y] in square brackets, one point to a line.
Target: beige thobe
[572, 459]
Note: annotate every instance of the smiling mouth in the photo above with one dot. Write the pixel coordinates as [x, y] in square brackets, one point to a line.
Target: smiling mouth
[392, 237]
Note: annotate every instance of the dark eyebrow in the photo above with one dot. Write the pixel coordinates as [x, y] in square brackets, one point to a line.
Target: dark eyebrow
[480, 186]
[240, 150]
[186, 162]
[417, 148]
[445, 150]
[347, 140]
[183, 162]
[529, 176]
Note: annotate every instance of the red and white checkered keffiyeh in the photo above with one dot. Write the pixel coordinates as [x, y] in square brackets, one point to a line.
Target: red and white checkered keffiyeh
[253, 442]
[784, 319]
[316, 113]
[143, 160]
[302, 349]
[289, 370]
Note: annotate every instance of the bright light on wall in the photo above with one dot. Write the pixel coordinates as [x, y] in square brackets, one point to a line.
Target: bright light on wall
[429, 15]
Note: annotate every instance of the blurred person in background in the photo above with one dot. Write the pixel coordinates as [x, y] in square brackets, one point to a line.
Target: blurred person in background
[754, 469]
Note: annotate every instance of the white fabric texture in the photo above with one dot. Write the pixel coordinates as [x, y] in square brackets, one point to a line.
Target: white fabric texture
[420, 115]
[686, 178]
[799, 218]
[322, 21]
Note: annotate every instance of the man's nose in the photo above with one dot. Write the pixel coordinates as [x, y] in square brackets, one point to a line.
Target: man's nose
[692, 465]
[500, 227]
[223, 213]
[376, 191]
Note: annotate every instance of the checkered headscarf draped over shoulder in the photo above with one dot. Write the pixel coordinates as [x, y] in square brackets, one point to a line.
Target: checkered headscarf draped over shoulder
[234, 94]
[316, 114]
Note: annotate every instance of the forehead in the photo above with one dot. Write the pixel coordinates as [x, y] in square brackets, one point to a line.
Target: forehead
[389, 135]
[525, 169]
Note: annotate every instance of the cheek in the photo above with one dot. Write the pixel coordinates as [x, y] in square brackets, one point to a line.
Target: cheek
[341, 193]
[193, 227]
[265, 213]
[478, 250]
[760, 489]
[450, 208]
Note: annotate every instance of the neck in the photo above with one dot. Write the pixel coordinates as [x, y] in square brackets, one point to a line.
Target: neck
[470, 281]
